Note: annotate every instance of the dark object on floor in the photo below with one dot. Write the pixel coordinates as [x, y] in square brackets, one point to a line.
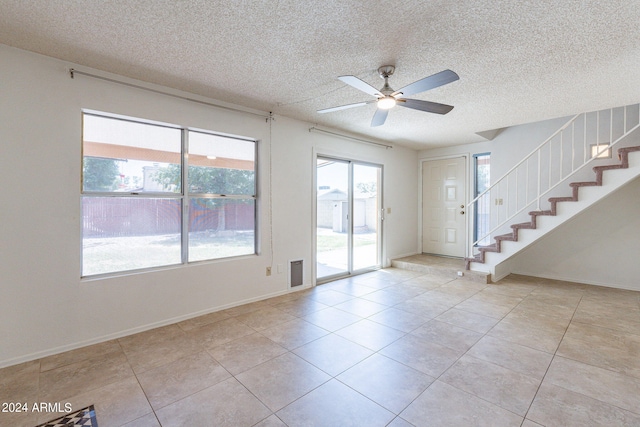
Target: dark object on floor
[85, 417]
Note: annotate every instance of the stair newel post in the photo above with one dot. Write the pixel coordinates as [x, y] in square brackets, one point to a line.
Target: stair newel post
[549, 162]
[499, 211]
[507, 198]
[471, 217]
[611, 127]
[539, 179]
[526, 182]
[517, 190]
[573, 145]
[561, 153]
[597, 132]
[584, 135]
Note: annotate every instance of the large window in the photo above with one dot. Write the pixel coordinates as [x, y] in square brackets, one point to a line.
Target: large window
[157, 195]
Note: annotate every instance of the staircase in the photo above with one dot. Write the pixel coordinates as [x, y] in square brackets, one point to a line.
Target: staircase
[552, 166]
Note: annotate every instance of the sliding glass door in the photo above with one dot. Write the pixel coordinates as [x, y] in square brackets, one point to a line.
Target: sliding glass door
[348, 217]
[366, 216]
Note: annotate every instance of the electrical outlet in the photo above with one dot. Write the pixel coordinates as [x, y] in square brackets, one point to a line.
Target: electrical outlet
[498, 201]
[268, 271]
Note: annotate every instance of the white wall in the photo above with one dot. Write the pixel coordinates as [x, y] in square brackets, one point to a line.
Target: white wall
[46, 308]
[600, 246]
[507, 148]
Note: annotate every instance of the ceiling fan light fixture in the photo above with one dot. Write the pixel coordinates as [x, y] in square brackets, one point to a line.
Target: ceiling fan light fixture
[387, 98]
[386, 103]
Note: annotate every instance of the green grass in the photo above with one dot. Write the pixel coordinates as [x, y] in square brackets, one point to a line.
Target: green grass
[117, 254]
[335, 241]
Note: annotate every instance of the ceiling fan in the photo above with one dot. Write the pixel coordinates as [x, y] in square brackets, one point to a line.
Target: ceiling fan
[387, 98]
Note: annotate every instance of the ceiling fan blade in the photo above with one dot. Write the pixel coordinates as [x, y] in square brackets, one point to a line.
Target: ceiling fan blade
[344, 107]
[431, 82]
[360, 85]
[430, 107]
[379, 117]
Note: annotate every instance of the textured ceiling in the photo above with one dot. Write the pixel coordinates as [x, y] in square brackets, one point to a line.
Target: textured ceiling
[518, 61]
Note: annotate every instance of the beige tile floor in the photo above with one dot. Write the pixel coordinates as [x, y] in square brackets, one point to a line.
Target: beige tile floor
[392, 347]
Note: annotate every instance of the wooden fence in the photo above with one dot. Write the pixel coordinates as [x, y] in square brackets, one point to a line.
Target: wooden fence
[120, 216]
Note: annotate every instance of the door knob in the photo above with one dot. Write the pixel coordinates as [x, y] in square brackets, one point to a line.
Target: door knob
[461, 212]
[461, 206]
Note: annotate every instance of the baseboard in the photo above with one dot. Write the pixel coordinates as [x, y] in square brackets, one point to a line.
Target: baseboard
[574, 280]
[497, 277]
[73, 346]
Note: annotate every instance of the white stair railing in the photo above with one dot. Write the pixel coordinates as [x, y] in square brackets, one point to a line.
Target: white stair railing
[581, 140]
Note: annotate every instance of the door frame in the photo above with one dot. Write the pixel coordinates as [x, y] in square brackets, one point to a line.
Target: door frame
[467, 185]
[314, 215]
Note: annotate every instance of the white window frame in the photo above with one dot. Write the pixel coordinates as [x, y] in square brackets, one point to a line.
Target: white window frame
[184, 195]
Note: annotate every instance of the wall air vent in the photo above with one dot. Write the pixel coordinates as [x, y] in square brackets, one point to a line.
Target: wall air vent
[295, 273]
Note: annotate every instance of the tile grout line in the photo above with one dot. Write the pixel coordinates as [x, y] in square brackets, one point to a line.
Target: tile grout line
[398, 415]
[333, 377]
[463, 354]
[553, 358]
[485, 334]
[154, 410]
[376, 352]
[135, 375]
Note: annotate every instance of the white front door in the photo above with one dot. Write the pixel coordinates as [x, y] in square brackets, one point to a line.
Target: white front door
[443, 206]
